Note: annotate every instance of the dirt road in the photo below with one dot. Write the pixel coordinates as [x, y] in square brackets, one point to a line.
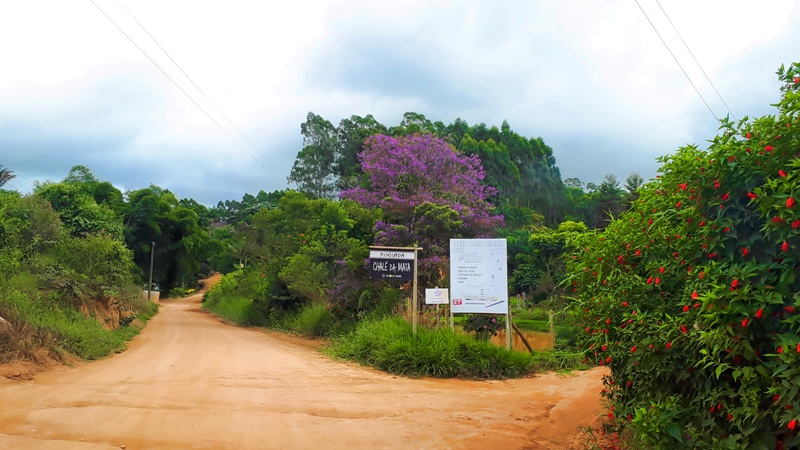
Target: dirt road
[190, 381]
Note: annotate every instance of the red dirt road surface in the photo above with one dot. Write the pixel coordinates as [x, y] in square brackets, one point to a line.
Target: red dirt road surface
[190, 381]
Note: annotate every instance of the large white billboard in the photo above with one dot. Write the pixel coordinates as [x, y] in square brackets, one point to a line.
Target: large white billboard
[478, 276]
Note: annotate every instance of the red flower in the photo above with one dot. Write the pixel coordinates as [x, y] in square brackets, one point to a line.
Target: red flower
[695, 295]
[633, 349]
[785, 246]
[608, 360]
[683, 330]
[777, 220]
[669, 344]
[796, 224]
[745, 251]
[760, 313]
[744, 322]
[658, 280]
[792, 424]
[752, 195]
[789, 309]
[789, 202]
[747, 135]
[662, 269]
[769, 148]
[686, 308]
[730, 417]
[776, 397]
[798, 347]
[782, 173]
[734, 284]
[780, 349]
[650, 280]
[638, 252]
[716, 184]
[604, 348]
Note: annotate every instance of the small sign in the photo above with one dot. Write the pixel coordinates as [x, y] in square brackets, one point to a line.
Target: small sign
[436, 296]
[391, 254]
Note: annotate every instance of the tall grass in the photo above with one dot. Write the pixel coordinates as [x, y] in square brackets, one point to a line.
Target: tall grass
[389, 345]
[234, 309]
[64, 329]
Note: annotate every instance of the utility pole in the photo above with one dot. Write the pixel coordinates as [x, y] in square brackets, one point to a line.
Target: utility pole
[150, 283]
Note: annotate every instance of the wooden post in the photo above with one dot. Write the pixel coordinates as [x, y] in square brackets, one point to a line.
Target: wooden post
[508, 327]
[414, 296]
[150, 283]
[452, 321]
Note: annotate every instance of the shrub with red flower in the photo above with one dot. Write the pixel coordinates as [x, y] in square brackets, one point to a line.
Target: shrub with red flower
[706, 366]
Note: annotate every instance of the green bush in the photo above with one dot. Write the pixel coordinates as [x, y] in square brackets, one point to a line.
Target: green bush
[73, 332]
[692, 298]
[312, 321]
[389, 345]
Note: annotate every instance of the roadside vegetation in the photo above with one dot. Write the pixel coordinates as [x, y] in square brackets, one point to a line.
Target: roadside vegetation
[64, 290]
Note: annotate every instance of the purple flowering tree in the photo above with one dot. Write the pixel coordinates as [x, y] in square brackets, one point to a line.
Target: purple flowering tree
[429, 193]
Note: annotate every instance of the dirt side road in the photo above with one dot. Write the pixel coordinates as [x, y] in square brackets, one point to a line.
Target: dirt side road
[190, 381]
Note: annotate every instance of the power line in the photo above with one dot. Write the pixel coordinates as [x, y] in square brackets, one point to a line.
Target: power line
[696, 61]
[178, 86]
[676, 60]
[195, 84]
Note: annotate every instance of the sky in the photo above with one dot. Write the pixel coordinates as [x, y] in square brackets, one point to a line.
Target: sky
[592, 78]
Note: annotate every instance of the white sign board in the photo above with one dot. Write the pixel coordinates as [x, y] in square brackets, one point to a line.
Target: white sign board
[478, 276]
[436, 296]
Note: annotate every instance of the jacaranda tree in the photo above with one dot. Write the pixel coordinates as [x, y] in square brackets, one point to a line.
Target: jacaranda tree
[692, 298]
[429, 193]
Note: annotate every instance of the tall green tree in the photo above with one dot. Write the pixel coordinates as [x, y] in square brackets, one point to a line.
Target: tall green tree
[315, 167]
[351, 134]
[609, 201]
[154, 215]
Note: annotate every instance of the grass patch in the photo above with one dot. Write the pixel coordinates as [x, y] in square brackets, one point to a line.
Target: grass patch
[557, 361]
[388, 344]
[234, 309]
[65, 329]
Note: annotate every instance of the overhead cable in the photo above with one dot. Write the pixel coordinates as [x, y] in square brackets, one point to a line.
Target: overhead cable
[676, 60]
[696, 61]
[194, 84]
[178, 86]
